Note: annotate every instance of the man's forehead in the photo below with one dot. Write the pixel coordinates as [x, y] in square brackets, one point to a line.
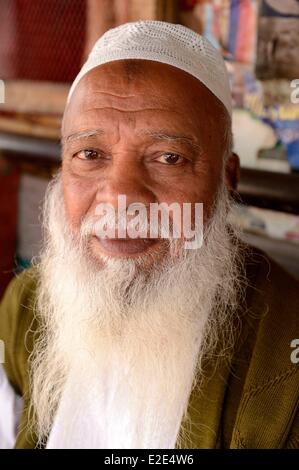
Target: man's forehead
[152, 82]
[105, 92]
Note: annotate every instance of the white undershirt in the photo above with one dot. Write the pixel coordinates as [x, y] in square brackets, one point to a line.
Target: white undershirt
[10, 409]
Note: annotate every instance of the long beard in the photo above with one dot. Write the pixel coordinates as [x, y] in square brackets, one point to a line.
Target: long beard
[130, 341]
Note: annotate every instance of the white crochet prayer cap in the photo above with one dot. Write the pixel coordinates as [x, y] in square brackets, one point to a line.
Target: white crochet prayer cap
[168, 43]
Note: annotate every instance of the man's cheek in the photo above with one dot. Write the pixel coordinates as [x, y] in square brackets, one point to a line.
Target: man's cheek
[76, 202]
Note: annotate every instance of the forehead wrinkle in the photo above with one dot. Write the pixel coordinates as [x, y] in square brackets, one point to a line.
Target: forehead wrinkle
[116, 95]
[151, 99]
[101, 99]
[125, 110]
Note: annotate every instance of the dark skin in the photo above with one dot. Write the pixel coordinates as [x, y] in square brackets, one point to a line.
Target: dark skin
[146, 130]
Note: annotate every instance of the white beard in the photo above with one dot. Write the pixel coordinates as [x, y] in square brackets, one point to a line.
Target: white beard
[120, 349]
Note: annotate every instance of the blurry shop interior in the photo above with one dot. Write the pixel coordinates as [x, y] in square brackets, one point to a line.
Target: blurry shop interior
[42, 47]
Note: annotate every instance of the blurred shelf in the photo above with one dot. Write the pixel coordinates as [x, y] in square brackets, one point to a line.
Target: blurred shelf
[270, 190]
[259, 188]
[32, 147]
[272, 165]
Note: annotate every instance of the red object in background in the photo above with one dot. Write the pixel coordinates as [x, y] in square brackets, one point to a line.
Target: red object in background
[42, 40]
[186, 5]
[9, 184]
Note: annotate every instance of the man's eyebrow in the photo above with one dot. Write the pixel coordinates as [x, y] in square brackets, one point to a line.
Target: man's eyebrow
[172, 137]
[82, 135]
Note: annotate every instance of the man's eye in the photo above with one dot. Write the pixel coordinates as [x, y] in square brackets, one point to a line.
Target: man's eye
[170, 159]
[87, 154]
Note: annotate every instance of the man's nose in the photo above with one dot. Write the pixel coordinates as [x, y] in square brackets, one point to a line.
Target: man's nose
[129, 179]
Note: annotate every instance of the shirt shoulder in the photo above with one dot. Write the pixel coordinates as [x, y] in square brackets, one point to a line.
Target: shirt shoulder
[270, 393]
[17, 325]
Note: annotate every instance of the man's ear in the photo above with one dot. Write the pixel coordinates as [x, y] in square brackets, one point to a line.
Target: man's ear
[232, 172]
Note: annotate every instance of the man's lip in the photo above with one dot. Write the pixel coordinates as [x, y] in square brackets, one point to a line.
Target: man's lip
[126, 246]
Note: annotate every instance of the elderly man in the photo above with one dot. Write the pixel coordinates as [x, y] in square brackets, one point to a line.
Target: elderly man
[141, 341]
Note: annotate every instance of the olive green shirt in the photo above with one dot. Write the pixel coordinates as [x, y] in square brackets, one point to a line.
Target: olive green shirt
[249, 402]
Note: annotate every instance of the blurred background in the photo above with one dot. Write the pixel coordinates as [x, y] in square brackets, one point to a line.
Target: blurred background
[43, 44]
